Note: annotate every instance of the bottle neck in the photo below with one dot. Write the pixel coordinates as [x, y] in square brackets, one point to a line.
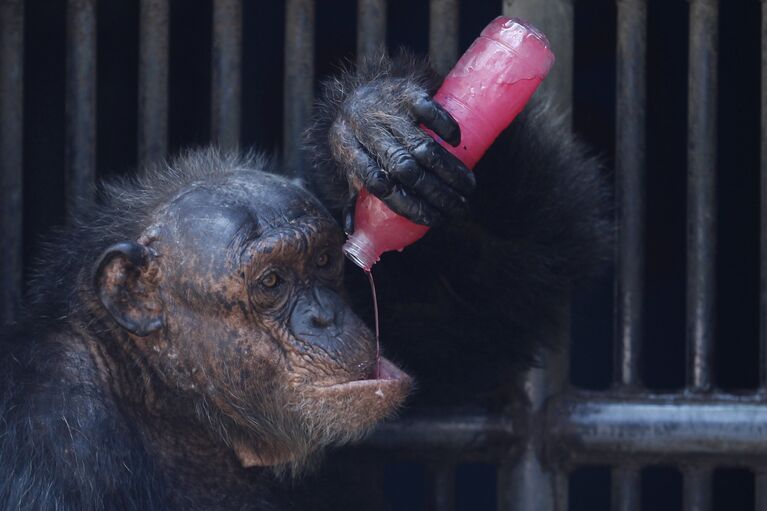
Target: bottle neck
[360, 250]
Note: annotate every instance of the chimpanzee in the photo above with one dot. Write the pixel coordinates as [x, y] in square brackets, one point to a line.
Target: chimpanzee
[187, 338]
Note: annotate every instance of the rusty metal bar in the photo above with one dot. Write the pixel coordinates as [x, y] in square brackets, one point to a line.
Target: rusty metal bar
[443, 34]
[626, 488]
[299, 79]
[80, 101]
[11, 104]
[153, 81]
[697, 492]
[371, 28]
[441, 487]
[227, 73]
[701, 191]
[630, 174]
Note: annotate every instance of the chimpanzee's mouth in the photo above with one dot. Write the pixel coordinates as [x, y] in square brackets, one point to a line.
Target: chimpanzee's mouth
[385, 375]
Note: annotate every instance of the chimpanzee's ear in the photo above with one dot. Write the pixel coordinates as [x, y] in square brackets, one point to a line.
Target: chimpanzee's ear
[127, 289]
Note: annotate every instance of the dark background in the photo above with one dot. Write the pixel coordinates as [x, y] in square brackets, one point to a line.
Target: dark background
[594, 120]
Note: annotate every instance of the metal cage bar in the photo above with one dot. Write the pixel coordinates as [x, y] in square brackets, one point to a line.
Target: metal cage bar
[696, 491]
[80, 101]
[371, 27]
[763, 213]
[153, 80]
[440, 487]
[299, 79]
[11, 122]
[701, 190]
[626, 488]
[227, 73]
[557, 14]
[630, 188]
[443, 34]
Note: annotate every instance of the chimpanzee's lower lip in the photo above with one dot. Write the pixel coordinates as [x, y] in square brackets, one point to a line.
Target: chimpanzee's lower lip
[386, 370]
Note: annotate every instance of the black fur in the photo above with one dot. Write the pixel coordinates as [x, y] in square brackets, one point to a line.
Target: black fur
[462, 309]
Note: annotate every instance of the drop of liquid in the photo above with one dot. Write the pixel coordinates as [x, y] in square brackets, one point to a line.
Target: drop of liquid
[375, 317]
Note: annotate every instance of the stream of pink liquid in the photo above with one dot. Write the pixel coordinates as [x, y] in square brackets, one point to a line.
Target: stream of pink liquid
[375, 316]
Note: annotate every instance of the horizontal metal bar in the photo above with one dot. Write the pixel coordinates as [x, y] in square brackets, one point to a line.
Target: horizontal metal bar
[445, 432]
[226, 88]
[630, 188]
[604, 428]
[443, 34]
[299, 80]
[701, 190]
[153, 80]
[11, 104]
[371, 28]
[675, 428]
[80, 101]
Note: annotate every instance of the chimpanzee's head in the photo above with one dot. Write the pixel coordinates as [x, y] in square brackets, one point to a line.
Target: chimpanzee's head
[233, 294]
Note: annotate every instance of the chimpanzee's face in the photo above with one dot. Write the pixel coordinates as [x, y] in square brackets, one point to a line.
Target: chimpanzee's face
[238, 300]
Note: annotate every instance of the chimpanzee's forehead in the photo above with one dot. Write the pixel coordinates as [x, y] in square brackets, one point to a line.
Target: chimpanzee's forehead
[218, 212]
[267, 199]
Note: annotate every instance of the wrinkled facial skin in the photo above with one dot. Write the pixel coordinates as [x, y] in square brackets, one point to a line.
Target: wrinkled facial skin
[254, 323]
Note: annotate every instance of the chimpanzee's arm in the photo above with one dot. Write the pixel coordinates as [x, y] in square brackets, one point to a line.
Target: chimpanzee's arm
[479, 294]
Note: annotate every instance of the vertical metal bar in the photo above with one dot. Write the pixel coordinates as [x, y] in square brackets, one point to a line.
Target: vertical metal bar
[760, 485]
[763, 216]
[443, 34]
[441, 487]
[153, 81]
[299, 78]
[527, 484]
[630, 188]
[371, 28]
[626, 489]
[11, 103]
[524, 482]
[556, 19]
[80, 101]
[697, 495]
[227, 73]
[701, 190]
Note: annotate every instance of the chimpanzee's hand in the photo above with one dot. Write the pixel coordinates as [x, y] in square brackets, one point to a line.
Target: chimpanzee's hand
[377, 140]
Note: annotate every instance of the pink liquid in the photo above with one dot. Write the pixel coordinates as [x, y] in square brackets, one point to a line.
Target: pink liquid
[484, 92]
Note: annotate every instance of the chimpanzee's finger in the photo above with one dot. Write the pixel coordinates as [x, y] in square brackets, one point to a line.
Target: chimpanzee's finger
[412, 207]
[402, 167]
[436, 118]
[429, 188]
[348, 215]
[435, 158]
[359, 162]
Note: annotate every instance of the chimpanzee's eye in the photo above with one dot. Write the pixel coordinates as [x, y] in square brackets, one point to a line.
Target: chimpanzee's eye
[323, 259]
[270, 280]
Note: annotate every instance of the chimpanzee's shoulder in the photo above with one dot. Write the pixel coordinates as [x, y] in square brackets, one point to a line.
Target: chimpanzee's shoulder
[63, 442]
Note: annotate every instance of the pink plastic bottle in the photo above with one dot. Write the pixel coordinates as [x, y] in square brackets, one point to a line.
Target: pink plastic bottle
[484, 92]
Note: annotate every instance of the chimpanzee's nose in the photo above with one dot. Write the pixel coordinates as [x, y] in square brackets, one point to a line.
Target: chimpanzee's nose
[324, 313]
